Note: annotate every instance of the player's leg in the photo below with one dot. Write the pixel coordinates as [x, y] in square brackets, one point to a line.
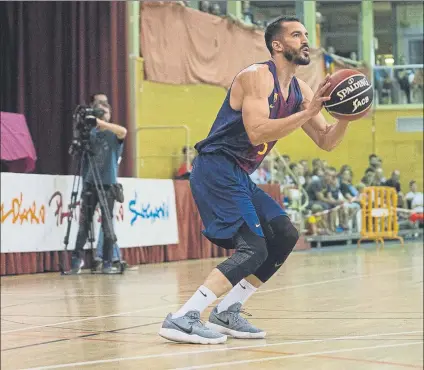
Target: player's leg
[281, 237]
[250, 253]
[239, 267]
[226, 209]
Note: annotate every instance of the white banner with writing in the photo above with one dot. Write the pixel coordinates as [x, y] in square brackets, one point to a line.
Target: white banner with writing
[34, 213]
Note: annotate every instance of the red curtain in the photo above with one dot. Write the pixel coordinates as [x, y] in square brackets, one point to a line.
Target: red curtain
[54, 56]
[192, 244]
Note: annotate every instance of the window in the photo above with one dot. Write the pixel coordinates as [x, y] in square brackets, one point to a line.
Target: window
[415, 51]
[340, 27]
[398, 28]
[265, 11]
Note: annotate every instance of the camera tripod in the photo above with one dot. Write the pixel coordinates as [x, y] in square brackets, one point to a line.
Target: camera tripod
[87, 155]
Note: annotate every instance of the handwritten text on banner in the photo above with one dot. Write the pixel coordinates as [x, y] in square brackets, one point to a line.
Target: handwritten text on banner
[35, 209]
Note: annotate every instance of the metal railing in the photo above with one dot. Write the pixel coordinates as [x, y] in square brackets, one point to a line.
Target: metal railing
[167, 127]
[282, 163]
[283, 166]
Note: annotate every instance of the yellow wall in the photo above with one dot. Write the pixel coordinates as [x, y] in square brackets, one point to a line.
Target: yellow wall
[197, 105]
[400, 150]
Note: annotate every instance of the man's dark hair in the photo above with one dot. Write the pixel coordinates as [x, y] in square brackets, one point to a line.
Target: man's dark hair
[93, 96]
[369, 169]
[371, 156]
[412, 182]
[274, 28]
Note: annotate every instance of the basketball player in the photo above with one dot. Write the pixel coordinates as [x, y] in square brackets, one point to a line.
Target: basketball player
[265, 103]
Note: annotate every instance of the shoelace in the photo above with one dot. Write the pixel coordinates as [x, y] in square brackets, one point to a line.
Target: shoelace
[245, 313]
[240, 318]
[196, 320]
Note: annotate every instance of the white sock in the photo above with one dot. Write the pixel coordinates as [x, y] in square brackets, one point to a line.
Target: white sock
[240, 293]
[198, 302]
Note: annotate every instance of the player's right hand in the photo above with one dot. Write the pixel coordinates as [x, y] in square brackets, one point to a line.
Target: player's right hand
[314, 106]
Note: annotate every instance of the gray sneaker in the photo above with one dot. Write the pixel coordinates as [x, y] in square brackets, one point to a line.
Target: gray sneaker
[189, 329]
[231, 323]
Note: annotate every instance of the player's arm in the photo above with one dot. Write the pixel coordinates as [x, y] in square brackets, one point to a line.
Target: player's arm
[257, 84]
[118, 130]
[326, 136]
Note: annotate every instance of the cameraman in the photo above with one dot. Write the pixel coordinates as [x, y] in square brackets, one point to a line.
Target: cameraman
[106, 144]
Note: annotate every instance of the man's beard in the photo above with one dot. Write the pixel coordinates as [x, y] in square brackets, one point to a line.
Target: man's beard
[296, 57]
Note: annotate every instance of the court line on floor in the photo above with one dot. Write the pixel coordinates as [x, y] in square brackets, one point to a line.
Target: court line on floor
[261, 291]
[84, 335]
[189, 294]
[343, 358]
[172, 305]
[173, 354]
[93, 295]
[308, 354]
[335, 280]
[61, 296]
[88, 319]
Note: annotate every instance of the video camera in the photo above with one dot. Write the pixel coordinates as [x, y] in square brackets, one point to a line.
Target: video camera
[84, 120]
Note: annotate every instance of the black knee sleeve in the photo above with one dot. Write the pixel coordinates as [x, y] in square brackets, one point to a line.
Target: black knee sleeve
[281, 237]
[251, 252]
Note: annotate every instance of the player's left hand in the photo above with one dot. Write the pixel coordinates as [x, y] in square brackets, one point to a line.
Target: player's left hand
[314, 105]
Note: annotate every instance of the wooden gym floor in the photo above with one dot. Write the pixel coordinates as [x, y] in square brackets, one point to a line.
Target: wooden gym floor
[334, 308]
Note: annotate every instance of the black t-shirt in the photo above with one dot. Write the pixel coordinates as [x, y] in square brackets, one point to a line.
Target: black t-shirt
[334, 191]
[392, 184]
[315, 187]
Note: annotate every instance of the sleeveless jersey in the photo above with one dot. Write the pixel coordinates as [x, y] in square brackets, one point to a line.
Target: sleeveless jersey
[228, 134]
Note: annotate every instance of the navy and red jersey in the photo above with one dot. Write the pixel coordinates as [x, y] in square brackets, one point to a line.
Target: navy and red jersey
[228, 134]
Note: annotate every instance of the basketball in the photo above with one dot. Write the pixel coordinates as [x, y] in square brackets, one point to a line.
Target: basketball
[351, 95]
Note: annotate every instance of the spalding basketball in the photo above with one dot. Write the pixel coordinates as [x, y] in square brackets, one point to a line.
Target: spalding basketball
[351, 95]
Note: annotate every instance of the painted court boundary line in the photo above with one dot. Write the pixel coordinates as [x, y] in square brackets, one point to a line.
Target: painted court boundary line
[336, 280]
[88, 319]
[263, 359]
[164, 355]
[173, 305]
[60, 296]
[258, 292]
